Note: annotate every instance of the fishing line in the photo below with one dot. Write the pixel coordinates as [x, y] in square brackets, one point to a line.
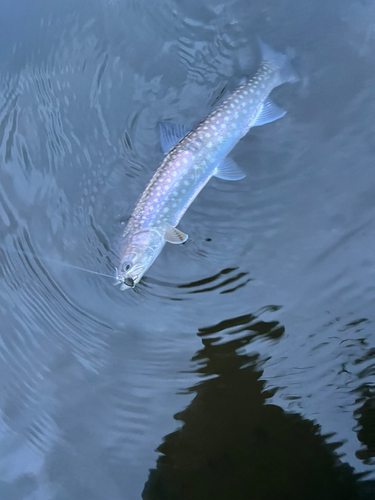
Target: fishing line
[53, 261]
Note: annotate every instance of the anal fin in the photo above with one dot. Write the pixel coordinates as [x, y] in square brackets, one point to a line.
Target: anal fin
[268, 113]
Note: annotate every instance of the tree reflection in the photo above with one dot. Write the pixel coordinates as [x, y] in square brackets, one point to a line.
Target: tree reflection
[232, 444]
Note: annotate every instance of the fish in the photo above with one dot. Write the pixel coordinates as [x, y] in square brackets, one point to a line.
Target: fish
[192, 158]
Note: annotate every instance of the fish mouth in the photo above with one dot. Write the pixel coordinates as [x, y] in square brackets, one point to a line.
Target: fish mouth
[128, 283]
[125, 282]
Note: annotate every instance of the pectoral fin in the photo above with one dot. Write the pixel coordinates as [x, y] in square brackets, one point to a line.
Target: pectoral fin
[171, 134]
[268, 113]
[175, 236]
[229, 170]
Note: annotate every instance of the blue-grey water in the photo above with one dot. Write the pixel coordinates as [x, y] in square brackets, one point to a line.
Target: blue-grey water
[243, 366]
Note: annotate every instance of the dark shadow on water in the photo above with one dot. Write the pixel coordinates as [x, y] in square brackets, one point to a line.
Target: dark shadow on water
[219, 281]
[365, 416]
[232, 444]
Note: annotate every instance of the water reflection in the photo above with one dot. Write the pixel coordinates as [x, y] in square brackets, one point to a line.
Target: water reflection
[219, 281]
[233, 444]
[90, 375]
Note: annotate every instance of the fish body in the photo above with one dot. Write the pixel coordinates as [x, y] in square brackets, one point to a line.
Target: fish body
[192, 159]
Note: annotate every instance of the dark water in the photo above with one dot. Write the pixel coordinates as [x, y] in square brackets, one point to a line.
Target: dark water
[244, 364]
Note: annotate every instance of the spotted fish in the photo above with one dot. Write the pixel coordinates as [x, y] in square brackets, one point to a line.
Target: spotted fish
[192, 158]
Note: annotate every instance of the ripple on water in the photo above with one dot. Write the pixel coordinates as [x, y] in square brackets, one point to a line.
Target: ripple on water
[225, 281]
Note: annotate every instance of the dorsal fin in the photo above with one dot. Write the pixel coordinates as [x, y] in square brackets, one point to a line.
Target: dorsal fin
[171, 134]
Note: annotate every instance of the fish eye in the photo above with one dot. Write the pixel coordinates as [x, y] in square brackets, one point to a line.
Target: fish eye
[126, 267]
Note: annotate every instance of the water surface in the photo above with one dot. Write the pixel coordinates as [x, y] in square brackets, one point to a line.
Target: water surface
[243, 364]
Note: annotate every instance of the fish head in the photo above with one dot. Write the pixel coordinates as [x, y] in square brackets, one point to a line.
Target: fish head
[138, 252]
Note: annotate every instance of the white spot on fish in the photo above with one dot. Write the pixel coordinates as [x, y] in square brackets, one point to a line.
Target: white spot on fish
[246, 92]
[252, 91]
[226, 118]
[208, 135]
[186, 183]
[183, 191]
[175, 193]
[165, 210]
[209, 145]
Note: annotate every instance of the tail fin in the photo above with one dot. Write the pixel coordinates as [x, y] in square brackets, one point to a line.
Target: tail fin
[280, 62]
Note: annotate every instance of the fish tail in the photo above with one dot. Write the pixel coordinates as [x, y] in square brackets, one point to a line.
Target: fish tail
[280, 62]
